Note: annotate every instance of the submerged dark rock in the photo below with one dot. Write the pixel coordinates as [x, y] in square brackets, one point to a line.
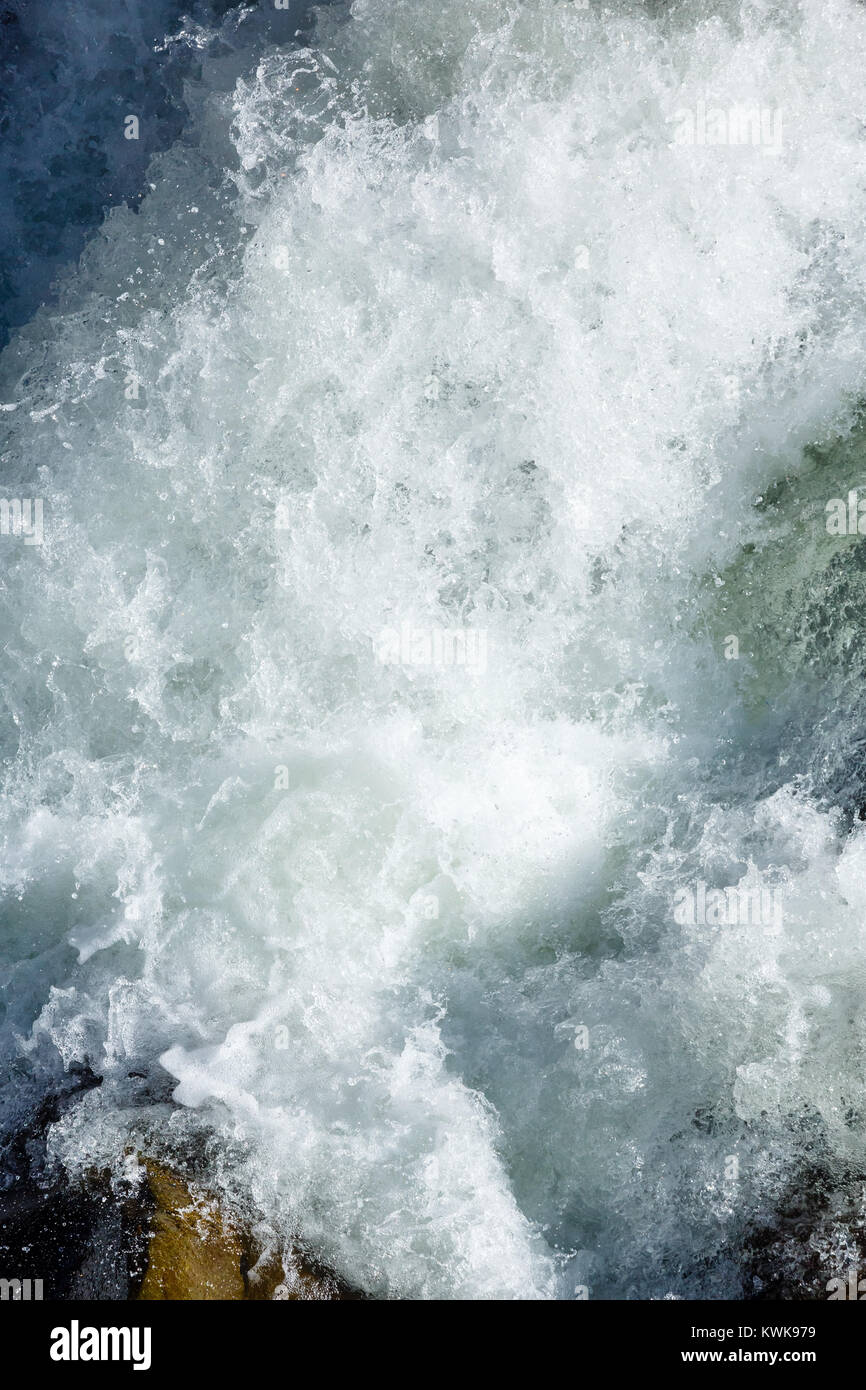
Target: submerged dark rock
[165, 1237]
[83, 1241]
[815, 1235]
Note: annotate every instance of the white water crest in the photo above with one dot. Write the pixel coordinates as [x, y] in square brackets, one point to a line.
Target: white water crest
[434, 326]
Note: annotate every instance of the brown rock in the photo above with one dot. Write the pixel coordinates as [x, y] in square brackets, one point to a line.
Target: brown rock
[194, 1253]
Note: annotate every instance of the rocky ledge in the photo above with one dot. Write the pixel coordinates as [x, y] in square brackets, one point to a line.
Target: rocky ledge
[165, 1237]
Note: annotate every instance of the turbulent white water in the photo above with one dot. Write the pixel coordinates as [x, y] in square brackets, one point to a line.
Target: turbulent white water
[434, 325]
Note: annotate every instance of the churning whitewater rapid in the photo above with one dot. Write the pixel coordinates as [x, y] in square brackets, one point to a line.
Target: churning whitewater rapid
[431, 321]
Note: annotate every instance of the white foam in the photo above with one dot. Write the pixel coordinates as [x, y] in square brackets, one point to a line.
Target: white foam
[358, 910]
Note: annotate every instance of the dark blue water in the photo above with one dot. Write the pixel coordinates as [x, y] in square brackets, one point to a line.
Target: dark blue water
[69, 76]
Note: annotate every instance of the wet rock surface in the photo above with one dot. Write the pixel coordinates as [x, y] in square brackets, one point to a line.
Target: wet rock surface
[161, 1235]
[198, 1251]
[83, 1240]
